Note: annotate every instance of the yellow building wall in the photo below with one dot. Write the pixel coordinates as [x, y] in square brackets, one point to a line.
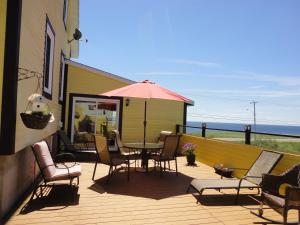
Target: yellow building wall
[2, 43]
[161, 114]
[32, 44]
[82, 81]
[234, 155]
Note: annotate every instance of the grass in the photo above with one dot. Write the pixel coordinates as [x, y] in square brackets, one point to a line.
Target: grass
[290, 147]
[263, 141]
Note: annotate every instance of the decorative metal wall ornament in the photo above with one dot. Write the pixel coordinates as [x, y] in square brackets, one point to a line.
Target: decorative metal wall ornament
[37, 113]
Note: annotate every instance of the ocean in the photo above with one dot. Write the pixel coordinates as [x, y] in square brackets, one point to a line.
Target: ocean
[275, 129]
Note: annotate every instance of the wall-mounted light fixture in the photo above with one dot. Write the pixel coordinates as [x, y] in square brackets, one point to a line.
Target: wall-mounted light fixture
[127, 102]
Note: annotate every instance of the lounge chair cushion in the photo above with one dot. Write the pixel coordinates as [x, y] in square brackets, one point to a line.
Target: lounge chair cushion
[44, 158]
[62, 173]
[201, 184]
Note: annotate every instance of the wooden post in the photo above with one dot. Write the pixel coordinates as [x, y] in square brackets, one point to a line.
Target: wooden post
[203, 129]
[177, 128]
[248, 134]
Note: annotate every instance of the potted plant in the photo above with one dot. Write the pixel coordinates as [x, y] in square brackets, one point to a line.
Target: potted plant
[189, 150]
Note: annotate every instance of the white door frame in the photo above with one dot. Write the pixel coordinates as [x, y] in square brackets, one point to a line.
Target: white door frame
[96, 100]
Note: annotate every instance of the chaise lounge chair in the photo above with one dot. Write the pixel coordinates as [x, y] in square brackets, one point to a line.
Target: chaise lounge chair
[264, 164]
[67, 145]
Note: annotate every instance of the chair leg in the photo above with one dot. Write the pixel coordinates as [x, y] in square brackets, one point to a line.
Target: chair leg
[94, 170]
[237, 195]
[109, 173]
[128, 170]
[176, 166]
[77, 180]
[169, 165]
[285, 214]
[160, 167]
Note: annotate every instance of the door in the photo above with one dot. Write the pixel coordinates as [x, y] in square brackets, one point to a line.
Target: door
[94, 116]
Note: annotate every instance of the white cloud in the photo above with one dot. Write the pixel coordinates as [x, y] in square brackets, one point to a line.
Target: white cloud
[163, 73]
[279, 79]
[245, 93]
[193, 62]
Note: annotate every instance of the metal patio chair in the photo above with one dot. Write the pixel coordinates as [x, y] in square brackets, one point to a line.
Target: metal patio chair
[51, 171]
[168, 152]
[162, 136]
[264, 164]
[281, 201]
[127, 152]
[105, 157]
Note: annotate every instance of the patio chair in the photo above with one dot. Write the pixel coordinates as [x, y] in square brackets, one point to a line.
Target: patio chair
[67, 145]
[105, 157]
[162, 136]
[131, 155]
[264, 164]
[168, 152]
[281, 193]
[52, 172]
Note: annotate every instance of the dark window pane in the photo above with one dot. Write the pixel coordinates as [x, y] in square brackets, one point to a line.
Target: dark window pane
[47, 62]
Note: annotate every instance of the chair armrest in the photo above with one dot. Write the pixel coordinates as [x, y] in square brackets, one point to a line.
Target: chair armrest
[69, 156]
[292, 195]
[271, 183]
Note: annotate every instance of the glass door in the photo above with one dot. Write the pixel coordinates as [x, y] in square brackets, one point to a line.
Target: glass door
[94, 116]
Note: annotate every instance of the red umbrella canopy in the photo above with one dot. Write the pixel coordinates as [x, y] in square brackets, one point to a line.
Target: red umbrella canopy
[147, 89]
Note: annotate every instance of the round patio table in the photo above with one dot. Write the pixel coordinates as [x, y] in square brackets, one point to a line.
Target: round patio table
[146, 149]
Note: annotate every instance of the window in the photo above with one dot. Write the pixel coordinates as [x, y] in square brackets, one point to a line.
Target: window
[48, 60]
[65, 12]
[61, 78]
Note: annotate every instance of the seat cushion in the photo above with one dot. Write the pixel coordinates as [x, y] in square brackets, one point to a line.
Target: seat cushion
[201, 184]
[62, 173]
[44, 158]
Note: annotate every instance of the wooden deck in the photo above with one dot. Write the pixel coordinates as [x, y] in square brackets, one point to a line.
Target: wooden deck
[145, 199]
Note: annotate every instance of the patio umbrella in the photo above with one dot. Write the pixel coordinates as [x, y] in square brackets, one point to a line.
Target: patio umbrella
[146, 90]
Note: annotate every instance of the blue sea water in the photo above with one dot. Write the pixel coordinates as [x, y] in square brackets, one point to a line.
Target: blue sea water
[275, 129]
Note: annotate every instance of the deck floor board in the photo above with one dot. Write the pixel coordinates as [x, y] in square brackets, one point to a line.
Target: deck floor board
[145, 199]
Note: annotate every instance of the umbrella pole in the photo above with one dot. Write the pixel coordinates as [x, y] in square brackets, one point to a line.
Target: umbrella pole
[145, 122]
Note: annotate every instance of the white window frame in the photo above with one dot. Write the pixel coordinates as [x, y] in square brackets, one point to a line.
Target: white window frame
[50, 33]
[62, 77]
[97, 101]
[65, 11]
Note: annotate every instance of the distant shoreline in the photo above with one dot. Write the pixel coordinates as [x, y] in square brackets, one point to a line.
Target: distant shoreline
[277, 129]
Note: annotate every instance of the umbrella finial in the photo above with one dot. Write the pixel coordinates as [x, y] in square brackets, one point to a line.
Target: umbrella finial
[148, 81]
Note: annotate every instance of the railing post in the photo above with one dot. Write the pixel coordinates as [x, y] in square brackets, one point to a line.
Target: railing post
[203, 129]
[177, 128]
[248, 134]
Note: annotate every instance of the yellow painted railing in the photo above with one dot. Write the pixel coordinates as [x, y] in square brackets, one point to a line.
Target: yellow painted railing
[211, 152]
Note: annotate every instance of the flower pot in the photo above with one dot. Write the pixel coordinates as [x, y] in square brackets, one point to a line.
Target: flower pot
[191, 159]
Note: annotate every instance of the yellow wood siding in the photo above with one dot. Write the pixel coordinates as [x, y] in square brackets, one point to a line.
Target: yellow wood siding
[72, 23]
[2, 42]
[32, 43]
[234, 155]
[161, 114]
[82, 81]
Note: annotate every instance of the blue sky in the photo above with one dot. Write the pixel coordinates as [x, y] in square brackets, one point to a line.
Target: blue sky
[223, 54]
